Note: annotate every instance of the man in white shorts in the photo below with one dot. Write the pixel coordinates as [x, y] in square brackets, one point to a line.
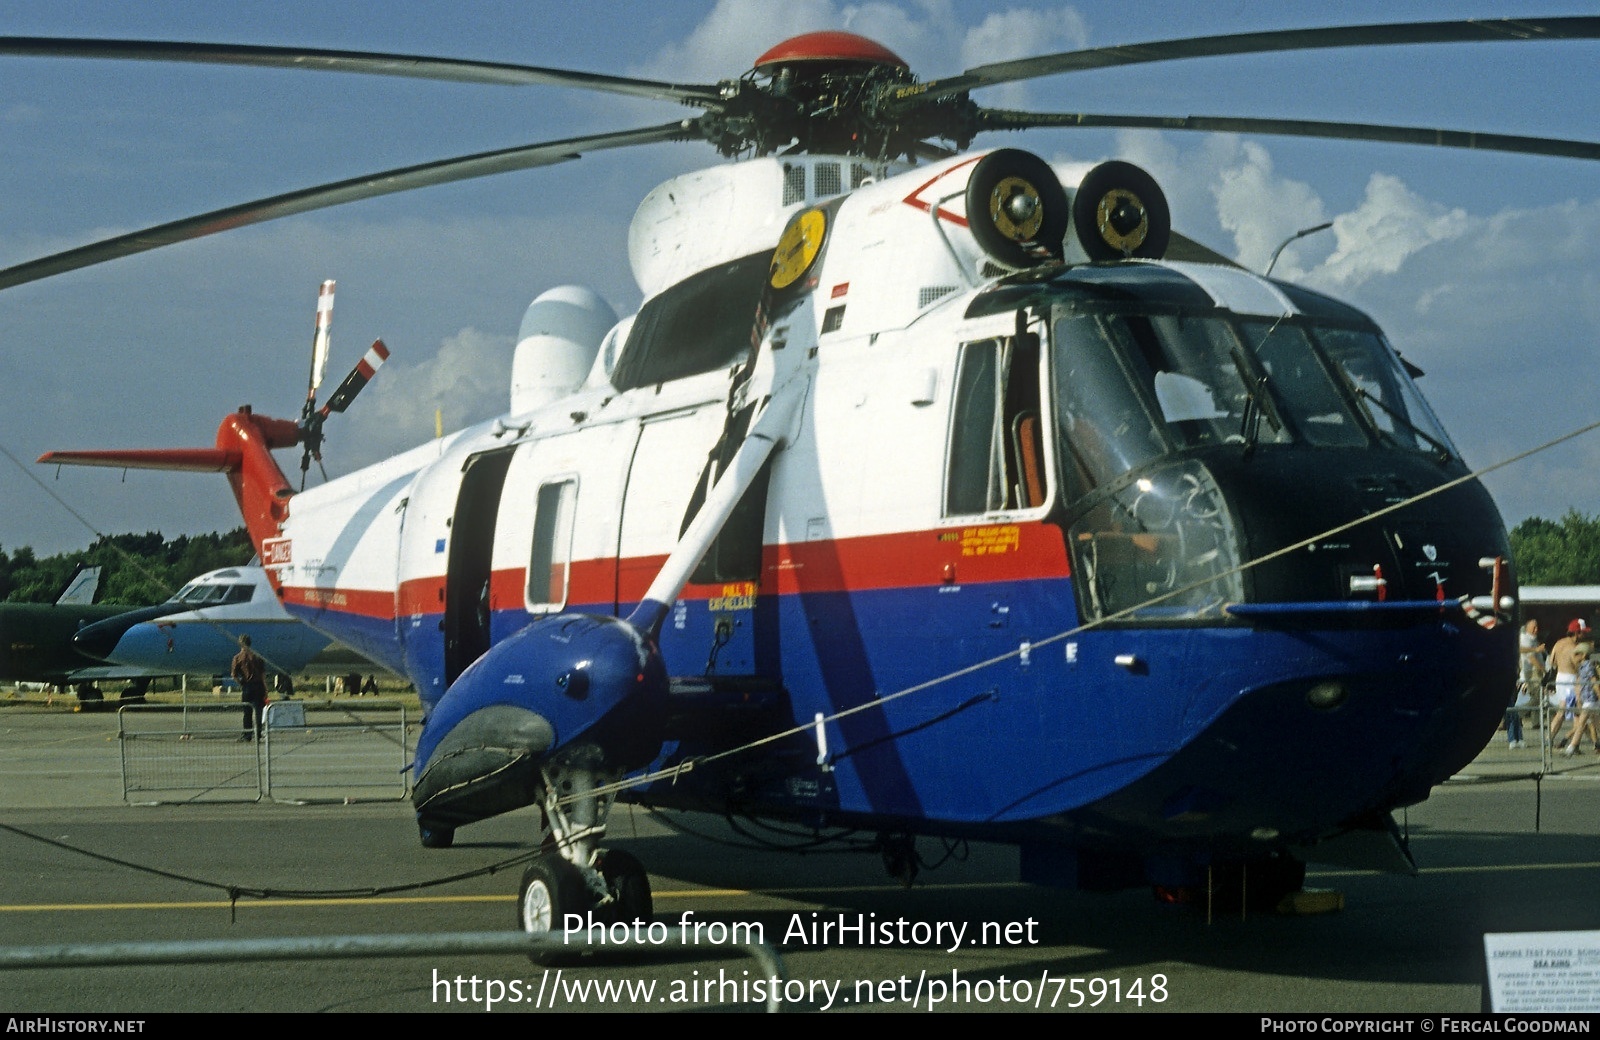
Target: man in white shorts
[1566, 658]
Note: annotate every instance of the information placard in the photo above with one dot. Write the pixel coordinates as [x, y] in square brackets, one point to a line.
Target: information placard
[1543, 971]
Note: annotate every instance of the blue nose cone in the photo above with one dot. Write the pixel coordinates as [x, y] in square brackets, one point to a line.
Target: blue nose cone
[562, 680]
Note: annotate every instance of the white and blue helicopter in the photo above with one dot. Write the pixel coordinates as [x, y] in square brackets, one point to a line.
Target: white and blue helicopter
[925, 495]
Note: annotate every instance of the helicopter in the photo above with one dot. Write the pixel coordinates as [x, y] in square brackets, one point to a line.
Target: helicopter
[926, 495]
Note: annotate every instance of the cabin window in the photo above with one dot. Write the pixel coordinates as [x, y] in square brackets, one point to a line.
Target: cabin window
[996, 442]
[550, 565]
[699, 325]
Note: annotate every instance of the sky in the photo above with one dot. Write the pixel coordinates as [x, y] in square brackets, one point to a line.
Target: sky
[1484, 269]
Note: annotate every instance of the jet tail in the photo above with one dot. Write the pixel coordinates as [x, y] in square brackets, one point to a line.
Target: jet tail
[83, 588]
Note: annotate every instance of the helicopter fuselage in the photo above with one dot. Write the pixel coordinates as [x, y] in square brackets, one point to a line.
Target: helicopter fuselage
[892, 510]
[1073, 558]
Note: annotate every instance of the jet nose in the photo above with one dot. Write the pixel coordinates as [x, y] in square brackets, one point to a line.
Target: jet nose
[100, 639]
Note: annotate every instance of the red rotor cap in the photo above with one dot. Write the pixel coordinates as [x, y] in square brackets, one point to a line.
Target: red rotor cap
[829, 46]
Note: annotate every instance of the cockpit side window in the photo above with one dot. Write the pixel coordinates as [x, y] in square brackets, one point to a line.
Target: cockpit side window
[1105, 427]
[996, 447]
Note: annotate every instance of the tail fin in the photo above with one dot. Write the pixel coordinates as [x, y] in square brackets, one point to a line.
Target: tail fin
[245, 442]
[82, 588]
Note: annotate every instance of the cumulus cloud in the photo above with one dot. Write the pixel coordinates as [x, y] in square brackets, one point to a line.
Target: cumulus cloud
[1224, 187]
[464, 383]
[1261, 209]
[1392, 223]
[1020, 32]
[735, 32]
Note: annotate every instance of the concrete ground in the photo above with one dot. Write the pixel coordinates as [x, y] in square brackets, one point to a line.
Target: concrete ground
[1503, 848]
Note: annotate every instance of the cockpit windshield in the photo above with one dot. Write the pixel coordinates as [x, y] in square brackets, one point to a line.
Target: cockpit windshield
[1146, 400]
[1133, 387]
[197, 594]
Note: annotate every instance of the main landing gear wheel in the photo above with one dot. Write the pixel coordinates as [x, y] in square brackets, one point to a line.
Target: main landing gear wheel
[629, 886]
[551, 888]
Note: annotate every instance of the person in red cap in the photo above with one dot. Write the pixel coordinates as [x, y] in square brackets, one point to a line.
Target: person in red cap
[1565, 658]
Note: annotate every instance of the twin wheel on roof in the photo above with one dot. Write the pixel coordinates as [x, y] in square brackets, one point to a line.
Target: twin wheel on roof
[1020, 214]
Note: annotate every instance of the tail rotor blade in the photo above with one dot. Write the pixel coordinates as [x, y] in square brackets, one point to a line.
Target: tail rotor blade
[369, 364]
[321, 342]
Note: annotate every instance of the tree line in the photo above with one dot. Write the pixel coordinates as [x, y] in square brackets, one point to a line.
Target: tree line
[135, 568]
[1564, 552]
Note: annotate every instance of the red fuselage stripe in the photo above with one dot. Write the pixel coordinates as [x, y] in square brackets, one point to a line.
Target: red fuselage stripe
[975, 554]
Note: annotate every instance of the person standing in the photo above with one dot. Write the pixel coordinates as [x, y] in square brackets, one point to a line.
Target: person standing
[250, 670]
[1564, 658]
[1588, 702]
[1530, 680]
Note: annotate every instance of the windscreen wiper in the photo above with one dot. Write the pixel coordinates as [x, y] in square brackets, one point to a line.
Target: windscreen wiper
[1362, 394]
[1259, 404]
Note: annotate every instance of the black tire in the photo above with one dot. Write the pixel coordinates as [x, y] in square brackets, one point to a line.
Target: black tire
[436, 837]
[629, 885]
[1009, 172]
[1139, 222]
[551, 888]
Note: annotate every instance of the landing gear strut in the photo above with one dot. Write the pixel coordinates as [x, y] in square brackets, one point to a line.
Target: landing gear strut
[575, 875]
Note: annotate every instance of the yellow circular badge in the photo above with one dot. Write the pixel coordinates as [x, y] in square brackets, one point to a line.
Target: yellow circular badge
[799, 246]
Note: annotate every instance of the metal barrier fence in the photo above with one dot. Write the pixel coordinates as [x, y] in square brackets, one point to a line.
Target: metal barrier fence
[187, 753]
[335, 750]
[310, 751]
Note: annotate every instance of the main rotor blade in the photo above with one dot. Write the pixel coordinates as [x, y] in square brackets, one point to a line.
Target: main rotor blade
[415, 66]
[1002, 119]
[387, 183]
[1465, 31]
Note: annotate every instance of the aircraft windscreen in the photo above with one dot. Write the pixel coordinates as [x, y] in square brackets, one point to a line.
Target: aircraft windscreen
[1131, 388]
[197, 595]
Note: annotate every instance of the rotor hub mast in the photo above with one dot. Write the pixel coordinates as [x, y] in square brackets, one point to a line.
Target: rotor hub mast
[832, 92]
